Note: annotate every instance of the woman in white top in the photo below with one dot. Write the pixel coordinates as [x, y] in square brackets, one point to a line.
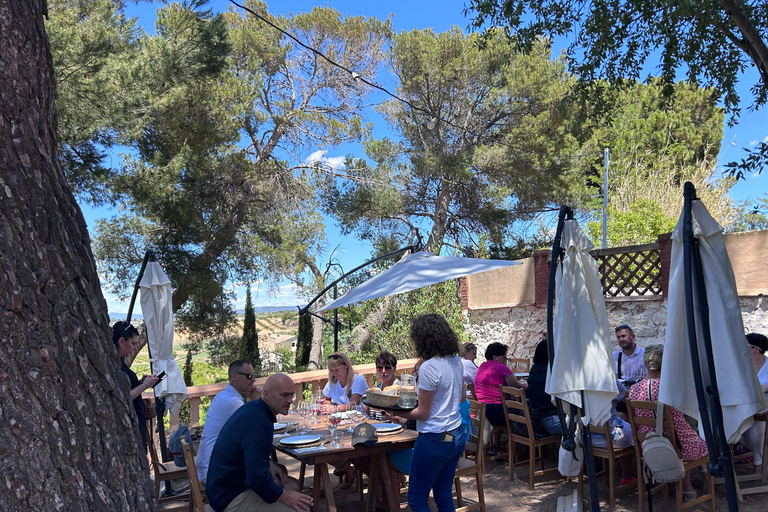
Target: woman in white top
[441, 432]
[469, 352]
[344, 384]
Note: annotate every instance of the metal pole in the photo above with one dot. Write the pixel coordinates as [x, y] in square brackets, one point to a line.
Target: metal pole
[606, 152]
[335, 322]
[720, 462]
[148, 256]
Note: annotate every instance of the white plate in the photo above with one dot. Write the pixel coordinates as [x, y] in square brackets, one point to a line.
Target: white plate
[387, 427]
[278, 426]
[300, 440]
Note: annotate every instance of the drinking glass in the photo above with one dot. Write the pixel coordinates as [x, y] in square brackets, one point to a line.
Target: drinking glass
[304, 411]
[356, 414]
[333, 420]
[316, 406]
[351, 410]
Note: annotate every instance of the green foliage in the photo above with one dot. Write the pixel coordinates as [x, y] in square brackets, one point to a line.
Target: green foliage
[304, 341]
[751, 215]
[642, 223]
[710, 42]
[223, 350]
[217, 185]
[188, 367]
[476, 156]
[251, 335]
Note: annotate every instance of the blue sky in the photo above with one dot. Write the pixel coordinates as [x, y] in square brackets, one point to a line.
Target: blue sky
[439, 15]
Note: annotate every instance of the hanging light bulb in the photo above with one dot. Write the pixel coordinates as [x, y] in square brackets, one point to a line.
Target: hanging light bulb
[557, 160]
[356, 78]
[432, 123]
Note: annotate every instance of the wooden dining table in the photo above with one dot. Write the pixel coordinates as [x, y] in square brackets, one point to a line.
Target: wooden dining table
[321, 457]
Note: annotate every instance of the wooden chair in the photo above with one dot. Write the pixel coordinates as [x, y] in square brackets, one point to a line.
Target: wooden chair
[636, 421]
[467, 467]
[611, 455]
[519, 365]
[197, 499]
[163, 471]
[516, 410]
[471, 391]
[477, 444]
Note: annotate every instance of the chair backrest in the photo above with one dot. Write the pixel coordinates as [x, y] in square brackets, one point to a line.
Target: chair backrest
[151, 444]
[605, 430]
[519, 365]
[477, 413]
[516, 409]
[471, 390]
[635, 421]
[196, 494]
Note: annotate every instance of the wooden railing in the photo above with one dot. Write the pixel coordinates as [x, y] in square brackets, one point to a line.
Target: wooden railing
[315, 380]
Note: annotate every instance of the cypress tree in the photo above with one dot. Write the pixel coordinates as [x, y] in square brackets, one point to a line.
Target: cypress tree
[250, 351]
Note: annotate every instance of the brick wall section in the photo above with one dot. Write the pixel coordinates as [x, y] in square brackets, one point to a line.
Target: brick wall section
[665, 257]
[541, 276]
[464, 289]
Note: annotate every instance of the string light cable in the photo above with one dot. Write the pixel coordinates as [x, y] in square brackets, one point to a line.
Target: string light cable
[358, 79]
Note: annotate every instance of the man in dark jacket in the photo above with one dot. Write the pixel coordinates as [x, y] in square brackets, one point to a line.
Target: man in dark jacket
[241, 476]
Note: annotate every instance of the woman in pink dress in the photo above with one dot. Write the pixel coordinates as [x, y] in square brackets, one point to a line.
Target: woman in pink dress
[691, 445]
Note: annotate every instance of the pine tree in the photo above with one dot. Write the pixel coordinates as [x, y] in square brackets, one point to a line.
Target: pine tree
[303, 341]
[251, 335]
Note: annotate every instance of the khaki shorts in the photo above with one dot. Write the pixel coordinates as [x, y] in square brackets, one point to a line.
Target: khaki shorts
[249, 501]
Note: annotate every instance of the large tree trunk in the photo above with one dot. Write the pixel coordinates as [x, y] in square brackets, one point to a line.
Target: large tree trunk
[68, 438]
[316, 351]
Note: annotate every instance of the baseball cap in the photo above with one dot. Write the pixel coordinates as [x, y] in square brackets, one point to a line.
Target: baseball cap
[364, 434]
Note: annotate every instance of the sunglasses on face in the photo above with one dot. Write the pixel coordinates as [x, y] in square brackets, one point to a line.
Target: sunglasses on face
[248, 376]
[384, 367]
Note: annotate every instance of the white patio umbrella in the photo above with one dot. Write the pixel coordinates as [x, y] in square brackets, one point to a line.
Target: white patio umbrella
[740, 393]
[156, 307]
[582, 348]
[415, 271]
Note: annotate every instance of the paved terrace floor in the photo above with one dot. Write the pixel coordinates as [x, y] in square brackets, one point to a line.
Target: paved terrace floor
[503, 495]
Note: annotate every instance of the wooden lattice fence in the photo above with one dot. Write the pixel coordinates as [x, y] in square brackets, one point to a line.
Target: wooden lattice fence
[631, 271]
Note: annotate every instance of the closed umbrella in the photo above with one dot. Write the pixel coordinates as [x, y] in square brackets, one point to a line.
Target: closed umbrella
[582, 367]
[156, 307]
[415, 271]
[739, 390]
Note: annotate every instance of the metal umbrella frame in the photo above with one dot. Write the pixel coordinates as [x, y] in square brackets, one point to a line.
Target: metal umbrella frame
[569, 427]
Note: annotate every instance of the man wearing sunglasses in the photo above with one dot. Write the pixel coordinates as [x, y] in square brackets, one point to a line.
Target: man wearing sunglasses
[223, 405]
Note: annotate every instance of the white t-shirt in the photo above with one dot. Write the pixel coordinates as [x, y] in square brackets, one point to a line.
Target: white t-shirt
[222, 407]
[338, 394]
[470, 371]
[444, 376]
[762, 375]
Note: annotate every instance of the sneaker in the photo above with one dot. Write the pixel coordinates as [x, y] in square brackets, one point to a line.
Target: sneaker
[627, 481]
[496, 451]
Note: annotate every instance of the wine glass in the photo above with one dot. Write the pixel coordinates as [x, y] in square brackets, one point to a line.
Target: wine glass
[304, 411]
[356, 414]
[333, 420]
[316, 407]
[352, 409]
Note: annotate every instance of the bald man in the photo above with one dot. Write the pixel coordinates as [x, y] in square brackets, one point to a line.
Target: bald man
[241, 476]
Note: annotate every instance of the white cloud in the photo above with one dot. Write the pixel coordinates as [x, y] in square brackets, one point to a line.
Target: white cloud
[320, 156]
[753, 142]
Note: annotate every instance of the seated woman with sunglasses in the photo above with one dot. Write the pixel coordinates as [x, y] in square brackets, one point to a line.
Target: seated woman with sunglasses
[386, 368]
[344, 386]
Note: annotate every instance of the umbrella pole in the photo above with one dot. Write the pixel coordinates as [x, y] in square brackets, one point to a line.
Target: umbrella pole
[720, 462]
[569, 442]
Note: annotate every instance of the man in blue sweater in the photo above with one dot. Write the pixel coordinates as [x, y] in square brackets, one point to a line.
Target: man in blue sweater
[241, 476]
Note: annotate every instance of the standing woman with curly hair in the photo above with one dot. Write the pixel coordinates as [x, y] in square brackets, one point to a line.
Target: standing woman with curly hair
[439, 423]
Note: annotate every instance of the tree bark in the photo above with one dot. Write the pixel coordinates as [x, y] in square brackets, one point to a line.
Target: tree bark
[68, 439]
[753, 45]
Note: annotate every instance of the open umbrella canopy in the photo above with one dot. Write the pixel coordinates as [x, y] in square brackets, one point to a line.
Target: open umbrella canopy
[582, 348]
[740, 393]
[415, 271]
[156, 307]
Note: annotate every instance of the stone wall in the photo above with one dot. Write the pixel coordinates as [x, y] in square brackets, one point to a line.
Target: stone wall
[521, 328]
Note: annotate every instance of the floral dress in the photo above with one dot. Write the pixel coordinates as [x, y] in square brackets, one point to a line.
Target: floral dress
[691, 445]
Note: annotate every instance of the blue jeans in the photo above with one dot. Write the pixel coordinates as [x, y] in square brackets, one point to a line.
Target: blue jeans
[552, 424]
[433, 467]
